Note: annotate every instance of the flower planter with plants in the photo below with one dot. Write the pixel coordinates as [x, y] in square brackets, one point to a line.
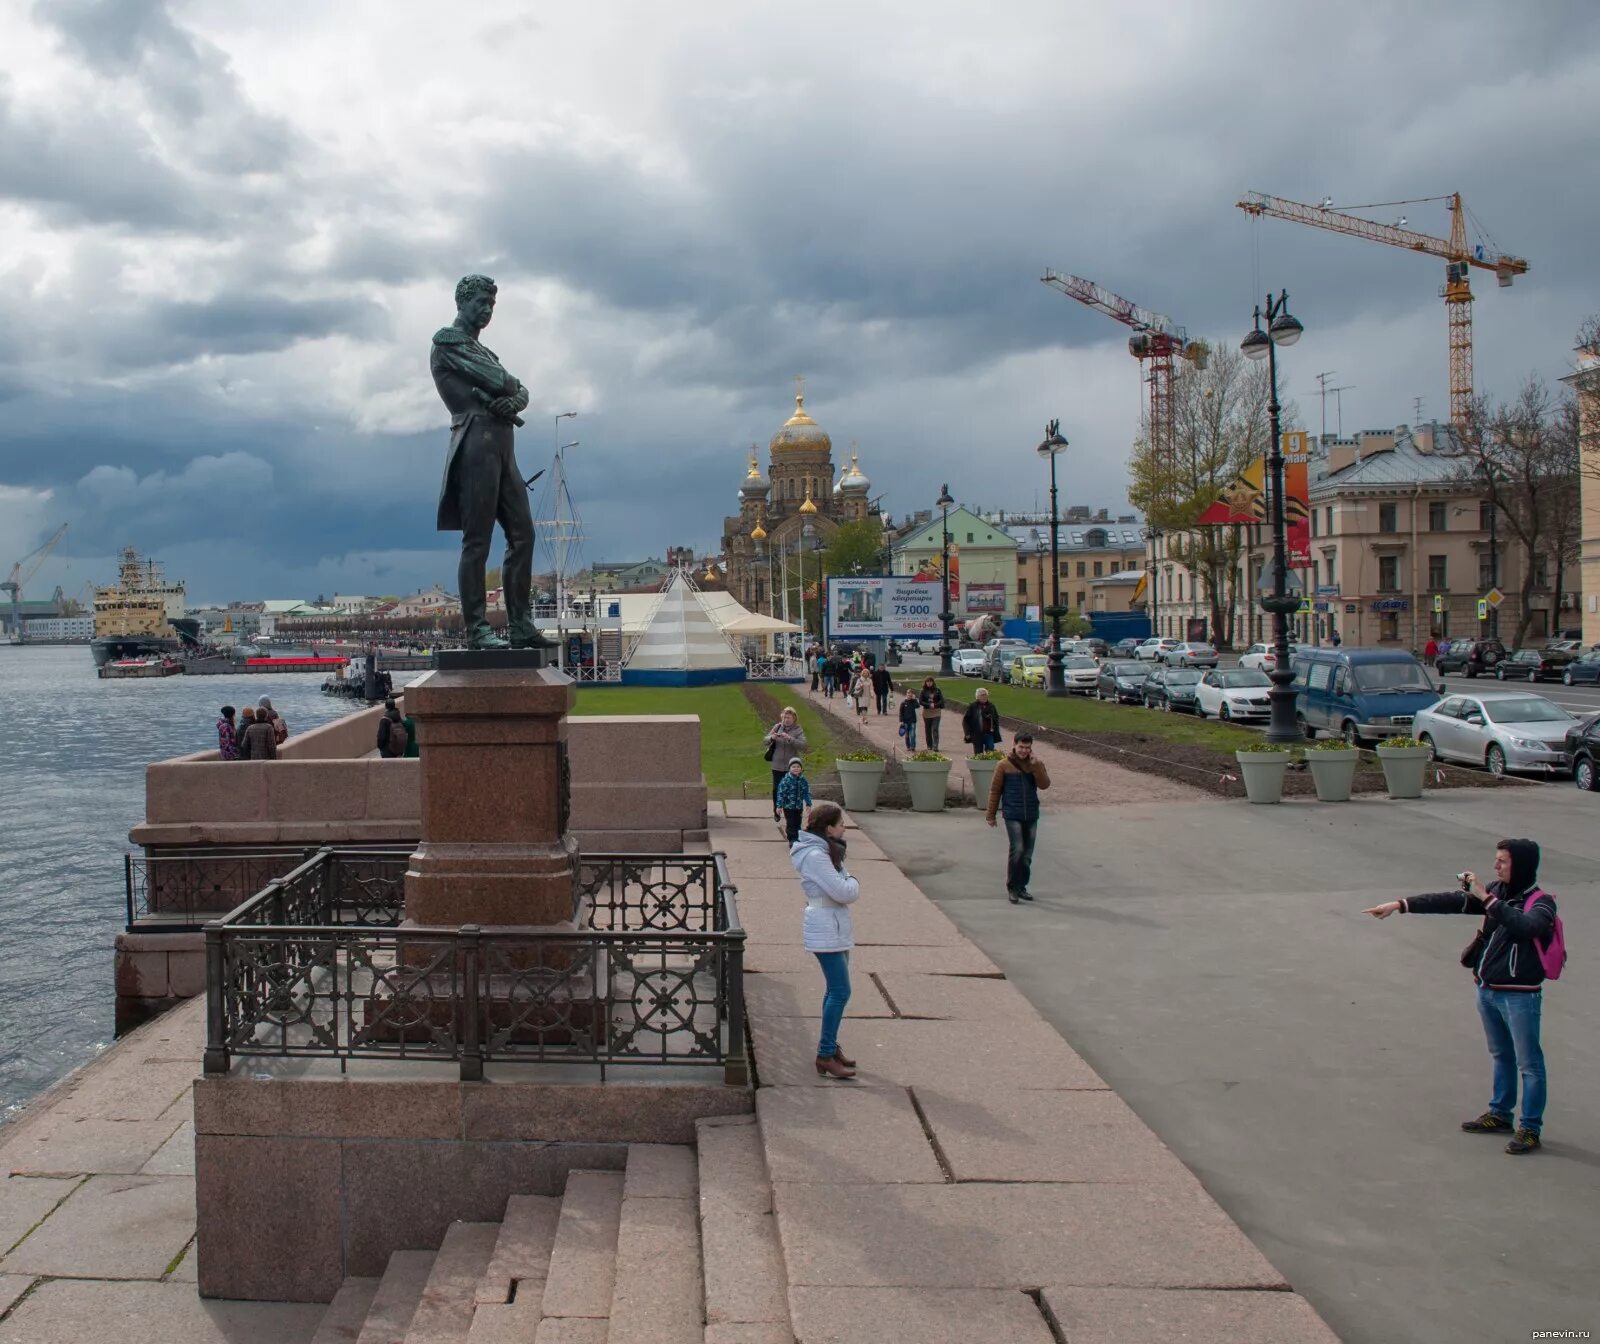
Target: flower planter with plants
[1263, 765]
[1405, 764]
[928, 776]
[860, 774]
[1333, 768]
[982, 768]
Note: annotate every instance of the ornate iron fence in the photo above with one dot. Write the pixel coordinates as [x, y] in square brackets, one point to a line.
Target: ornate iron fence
[774, 669]
[318, 964]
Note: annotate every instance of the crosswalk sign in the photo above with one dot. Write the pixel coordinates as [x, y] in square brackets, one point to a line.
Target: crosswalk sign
[1305, 606]
[1483, 609]
[1438, 602]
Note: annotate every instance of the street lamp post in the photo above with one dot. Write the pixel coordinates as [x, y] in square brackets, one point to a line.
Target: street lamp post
[945, 614]
[1055, 678]
[1494, 542]
[1282, 329]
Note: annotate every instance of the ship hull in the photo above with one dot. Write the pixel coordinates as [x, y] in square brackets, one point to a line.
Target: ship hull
[112, 648]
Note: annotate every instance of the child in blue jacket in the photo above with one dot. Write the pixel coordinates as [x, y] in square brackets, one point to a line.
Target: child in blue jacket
[794, 796]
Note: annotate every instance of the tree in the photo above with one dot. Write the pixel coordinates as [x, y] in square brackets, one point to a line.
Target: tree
[491, 577]
[1220, 426]
[1524, 455]
[855, 548]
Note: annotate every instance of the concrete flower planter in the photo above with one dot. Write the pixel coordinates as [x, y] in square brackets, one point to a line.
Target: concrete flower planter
[1333, 772]
[928, 781]
[860, 780]
[1404, 770]
[982, 776]
[1263, 774]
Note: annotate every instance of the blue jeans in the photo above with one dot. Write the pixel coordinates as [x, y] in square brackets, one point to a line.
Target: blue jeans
[1019, 862]
[1511, 1022]
[911, 735]
[836, 973]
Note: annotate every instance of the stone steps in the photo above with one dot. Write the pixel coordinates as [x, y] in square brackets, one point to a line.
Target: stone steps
[617, 1259]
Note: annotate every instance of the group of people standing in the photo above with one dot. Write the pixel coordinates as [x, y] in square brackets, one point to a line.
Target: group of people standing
[252, 734]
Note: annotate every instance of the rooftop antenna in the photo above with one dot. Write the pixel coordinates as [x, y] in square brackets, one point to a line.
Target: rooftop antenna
[1323, 391]
[1416, 410]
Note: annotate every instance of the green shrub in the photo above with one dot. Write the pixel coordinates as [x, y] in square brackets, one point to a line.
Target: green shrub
[1392, 742]
[1328, 744]
[994, 755]
[1262, 746]
[859, 756]
[927, 756]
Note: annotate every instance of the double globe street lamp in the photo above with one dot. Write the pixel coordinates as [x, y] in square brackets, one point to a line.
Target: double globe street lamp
[1282, 329]
[945, 615]
[1055, 678]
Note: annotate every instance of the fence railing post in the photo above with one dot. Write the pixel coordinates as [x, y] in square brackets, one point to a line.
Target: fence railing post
[127, 879]
[471, 950]
[216, 1054]
[736, 1065]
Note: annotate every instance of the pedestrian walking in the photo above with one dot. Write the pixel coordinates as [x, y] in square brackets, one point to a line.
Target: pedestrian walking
[794, 796]
[1014, 794]
[908, 719]
[227, 740]
[859, 687]
[830, 673]
[881, 686]
[1519, 945]
[932, 702]
[811, 666]
[980, 725]
[1336, 640]
[393, 739]
[258, 742]
[827, 929]
[280, 729]
[413, 747]
[785, 740]
[1430, 651]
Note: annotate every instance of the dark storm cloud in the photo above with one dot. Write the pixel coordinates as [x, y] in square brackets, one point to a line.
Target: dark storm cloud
[244, 323]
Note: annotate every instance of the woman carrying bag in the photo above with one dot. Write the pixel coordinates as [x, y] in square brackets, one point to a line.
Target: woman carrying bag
[828, 931]
[785, 740]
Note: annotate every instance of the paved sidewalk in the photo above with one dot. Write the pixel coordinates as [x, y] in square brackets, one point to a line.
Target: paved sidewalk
[978, 1180]
[1074, 778]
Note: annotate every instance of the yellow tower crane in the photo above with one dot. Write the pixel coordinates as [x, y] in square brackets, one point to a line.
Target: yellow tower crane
[1458, 256]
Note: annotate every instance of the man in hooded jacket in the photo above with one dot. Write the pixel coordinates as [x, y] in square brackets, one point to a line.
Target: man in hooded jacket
[1510, 974]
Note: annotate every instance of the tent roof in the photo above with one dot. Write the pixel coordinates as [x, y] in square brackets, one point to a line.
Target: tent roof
[682, 635]
[753, 623]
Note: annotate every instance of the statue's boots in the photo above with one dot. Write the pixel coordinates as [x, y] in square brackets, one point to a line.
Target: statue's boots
[483, 636]
[526, 635]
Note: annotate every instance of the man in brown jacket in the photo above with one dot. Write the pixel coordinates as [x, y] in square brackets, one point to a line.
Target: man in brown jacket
[1014, 794]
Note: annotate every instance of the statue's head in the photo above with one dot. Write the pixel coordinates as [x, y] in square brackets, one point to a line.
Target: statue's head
[475, 299]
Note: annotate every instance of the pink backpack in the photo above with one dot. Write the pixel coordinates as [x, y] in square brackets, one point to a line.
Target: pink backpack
[1552, 955]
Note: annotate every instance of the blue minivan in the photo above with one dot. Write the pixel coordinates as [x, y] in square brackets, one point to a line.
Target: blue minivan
[1359, 694]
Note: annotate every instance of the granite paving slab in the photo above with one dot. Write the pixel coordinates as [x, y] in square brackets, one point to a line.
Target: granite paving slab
[26, 1200]
[660, 1171]
[844, 1136]
[572, 1330]
[76, 1311]
[1061, 1136]
[1013, 1236]
[799, 994]
[765, 1332]
[1129, 1316]
[55, 1145]
[917, 1316]
[959, 1059]
[959, 959]
[659, 1295]
[952, 997]
[583, 1262]
[911, 926]
[521, 1252]
[13, 1286]
[744, 1275]
[126, 1087]
[176, 1156]
[733, 1168]
[111, 1227]
[756, 860]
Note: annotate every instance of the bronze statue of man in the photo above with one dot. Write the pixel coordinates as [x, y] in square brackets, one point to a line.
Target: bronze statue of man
[482, 483]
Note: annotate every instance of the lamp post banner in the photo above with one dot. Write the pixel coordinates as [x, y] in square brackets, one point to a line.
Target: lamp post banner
[883, 606]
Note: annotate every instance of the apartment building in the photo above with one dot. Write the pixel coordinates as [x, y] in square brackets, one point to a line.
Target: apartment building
[1088, 551]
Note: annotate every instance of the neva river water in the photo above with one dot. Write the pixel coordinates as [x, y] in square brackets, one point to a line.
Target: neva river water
[72, 754]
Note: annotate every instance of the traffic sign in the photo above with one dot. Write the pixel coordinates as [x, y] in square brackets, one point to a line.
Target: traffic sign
[1483, 609]
[1438, 602]
[1494, 597]
[1305, 606]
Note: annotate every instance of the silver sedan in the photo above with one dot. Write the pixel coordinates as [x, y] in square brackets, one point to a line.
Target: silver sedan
[1503, 730]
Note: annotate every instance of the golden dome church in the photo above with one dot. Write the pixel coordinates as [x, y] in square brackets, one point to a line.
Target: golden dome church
[790, 509]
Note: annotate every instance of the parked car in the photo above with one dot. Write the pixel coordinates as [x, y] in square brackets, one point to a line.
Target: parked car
[1503, 730]
[1582, 745]
[1359, 694]
[1528, 665]
[1152, 649]
[1190, 655]
[1080, 672]
[967, 662]
[1562, 651]
[1172, 689]
[1121, 679]
[1030, 669]
[997, 657]
[1239, 693]
[1475, 657]
[1583, 670]
[1124, 648]
[1259, 656]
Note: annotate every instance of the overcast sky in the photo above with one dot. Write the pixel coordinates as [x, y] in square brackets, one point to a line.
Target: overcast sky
[227, 233]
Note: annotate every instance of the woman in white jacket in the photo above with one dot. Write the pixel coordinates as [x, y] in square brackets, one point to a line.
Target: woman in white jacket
[830, 891]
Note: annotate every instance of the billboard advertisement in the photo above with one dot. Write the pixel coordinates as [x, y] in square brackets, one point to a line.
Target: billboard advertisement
[1245, 499]
[882, 607]
[986, 597]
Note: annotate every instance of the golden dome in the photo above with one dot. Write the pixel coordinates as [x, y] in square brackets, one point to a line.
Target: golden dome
[754, 482]
[758, 533]
[800, 433]
[806, 505]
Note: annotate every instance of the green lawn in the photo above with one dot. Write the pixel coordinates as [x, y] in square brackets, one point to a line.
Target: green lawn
[730, 730]
[1078, 713]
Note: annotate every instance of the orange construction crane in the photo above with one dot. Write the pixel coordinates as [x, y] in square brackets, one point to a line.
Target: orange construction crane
[1458, 258]
[1157, 338]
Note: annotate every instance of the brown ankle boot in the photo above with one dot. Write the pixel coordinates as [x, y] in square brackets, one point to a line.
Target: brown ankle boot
[839, 1055]
[832, 1068]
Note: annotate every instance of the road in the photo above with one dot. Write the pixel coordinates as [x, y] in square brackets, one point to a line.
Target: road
[1309, 1063]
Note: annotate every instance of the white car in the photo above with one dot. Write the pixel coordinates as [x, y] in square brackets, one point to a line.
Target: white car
[1152, 649]
[1081, 674]
[967, 662]
[1260, 657]
[1239, 693]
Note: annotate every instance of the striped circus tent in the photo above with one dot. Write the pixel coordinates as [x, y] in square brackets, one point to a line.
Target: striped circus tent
[681, 644]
